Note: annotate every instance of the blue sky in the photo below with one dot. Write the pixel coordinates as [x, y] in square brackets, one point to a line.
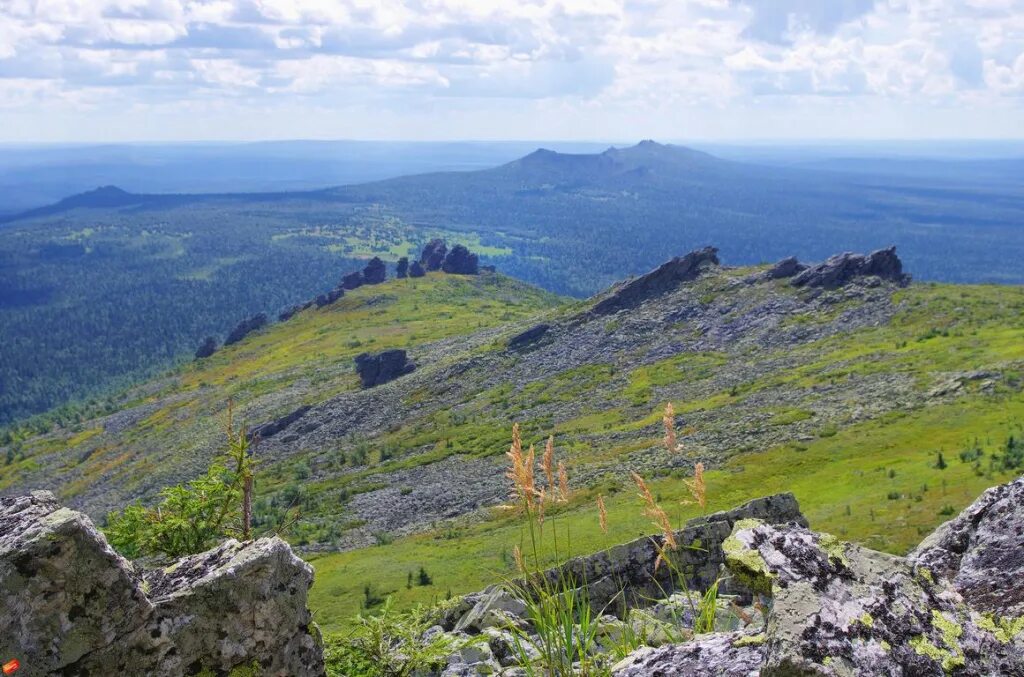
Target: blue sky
[113, 70]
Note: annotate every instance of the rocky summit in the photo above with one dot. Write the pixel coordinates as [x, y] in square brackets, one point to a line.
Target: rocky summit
[72, 606]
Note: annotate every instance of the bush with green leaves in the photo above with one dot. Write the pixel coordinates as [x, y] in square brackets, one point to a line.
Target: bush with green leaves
[390, 644]
[191, 518]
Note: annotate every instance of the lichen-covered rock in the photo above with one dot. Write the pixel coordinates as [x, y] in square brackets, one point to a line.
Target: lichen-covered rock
[662, 279]
[64, 592]
[71, 605]
[840, 609]
[726, 655]
[385, 366]
[982, 552]
[842, 268]
[626, 573]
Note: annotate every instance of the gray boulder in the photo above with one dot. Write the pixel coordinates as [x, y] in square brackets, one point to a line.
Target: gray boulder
[953, 606]
[982, 552]
[433, 255]
[382, 367]
[460, 261]
[74, 606]
[728, 655]
[787, 267]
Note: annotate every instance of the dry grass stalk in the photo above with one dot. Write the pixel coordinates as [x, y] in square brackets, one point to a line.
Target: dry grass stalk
[659, 518]
[669, 420]
[521, 470]
[602, 514]
[520, 562]
[563, 483]
[697, 488]
[548, 463]
[540, 508]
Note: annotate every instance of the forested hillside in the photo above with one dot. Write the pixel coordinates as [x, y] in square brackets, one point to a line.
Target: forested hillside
[104, 287]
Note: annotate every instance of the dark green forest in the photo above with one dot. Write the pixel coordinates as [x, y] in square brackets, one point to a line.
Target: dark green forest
[107, 287]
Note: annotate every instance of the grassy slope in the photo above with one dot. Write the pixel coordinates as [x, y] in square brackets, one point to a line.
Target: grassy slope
[304, 360]
[875, 481]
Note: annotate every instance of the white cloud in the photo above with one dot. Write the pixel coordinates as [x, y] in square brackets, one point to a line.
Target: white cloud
[594, 57]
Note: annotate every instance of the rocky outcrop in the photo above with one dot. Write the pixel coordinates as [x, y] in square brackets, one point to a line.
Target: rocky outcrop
[352, 281]
[382, 367]
[661, 280]
[460, 261]
[626, 574]
[402, 268]
[71, 605]
[834, 608]
[622, 585]
[206, 348]
[246, 327]
[375, 271]
[843, 268]
[529, 337]
[268, 430]
[787, 267]
[433, 255]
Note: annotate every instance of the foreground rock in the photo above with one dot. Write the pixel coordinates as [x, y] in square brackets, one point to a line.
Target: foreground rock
[622, 585]
[71, 605]
[982, 552]
[840, 609]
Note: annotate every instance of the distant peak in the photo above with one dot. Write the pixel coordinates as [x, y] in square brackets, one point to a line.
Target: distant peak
[106, 190]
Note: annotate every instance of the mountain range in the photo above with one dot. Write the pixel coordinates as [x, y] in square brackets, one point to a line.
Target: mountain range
[106, 287]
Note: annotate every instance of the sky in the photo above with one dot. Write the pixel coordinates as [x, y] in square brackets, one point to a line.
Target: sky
[167, 70]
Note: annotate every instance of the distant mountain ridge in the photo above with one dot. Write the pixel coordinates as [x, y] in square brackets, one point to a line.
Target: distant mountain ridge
[98, 272]
[640, 161]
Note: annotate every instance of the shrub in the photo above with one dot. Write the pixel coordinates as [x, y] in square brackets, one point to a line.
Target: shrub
[390, 644]
[193, 517]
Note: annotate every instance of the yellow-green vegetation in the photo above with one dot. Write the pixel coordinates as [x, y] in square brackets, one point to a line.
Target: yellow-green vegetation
[745, 563]
[1004, 629]
[305, 360]
[750, 640]
[950, 654]
[841, 482]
